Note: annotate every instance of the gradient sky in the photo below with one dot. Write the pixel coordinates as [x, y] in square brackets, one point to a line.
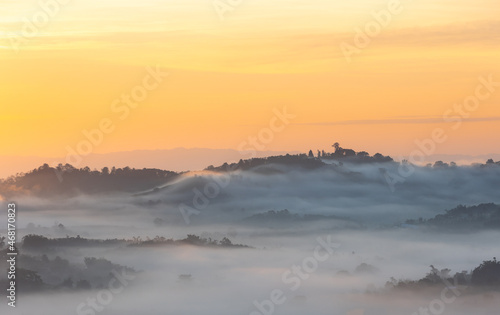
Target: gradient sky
[226, 76]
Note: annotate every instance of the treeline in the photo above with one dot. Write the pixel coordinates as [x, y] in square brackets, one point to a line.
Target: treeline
[349, 155]
[487, 274]
[66, 180]
[191, 239]
[307, 161]
[298, 160]
[444, 165]
[41, 243]
[35, 242]
[490, 162]
[482, 216]
[39, 268]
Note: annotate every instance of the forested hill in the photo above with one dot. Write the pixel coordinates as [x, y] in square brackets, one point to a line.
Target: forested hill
[307, 161]
[66, 180]
[485, 215]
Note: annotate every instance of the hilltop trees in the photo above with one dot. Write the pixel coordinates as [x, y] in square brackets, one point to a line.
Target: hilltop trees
[487, 274]
[353, 156]
[66, 180]
[337, 147]
[479, 217]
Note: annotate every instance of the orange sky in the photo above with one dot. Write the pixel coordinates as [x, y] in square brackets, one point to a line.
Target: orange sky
[226, 76]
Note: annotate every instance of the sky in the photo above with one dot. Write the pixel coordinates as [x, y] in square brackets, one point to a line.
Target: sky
[230, 68]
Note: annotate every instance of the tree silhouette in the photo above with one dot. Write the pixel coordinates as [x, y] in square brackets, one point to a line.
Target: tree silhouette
[336, 145]
[488, 273]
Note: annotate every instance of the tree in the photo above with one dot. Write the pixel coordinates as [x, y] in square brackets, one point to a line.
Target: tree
[348, 152]
[44, 167]
[440, 164]
[488, 273]
[32, 241]
[311, 154]
[226, 242]
[105, 171]
[336, 145]
[378, 157]
[194, 240]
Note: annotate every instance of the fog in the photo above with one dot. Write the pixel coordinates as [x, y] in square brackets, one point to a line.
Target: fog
[356, 209]
[230, 281]
[357, 192]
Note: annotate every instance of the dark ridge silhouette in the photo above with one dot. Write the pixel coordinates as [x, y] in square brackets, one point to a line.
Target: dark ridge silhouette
[66, 180]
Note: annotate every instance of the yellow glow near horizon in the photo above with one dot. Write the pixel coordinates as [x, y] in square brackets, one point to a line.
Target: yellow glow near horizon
[227, 75]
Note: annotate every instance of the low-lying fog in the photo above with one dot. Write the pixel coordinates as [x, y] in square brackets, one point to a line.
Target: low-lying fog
[373, 194]
[290, 268]
[229, 281]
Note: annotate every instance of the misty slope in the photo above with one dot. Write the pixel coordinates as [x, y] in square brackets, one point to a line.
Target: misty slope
[66, 180]
[354, 188]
